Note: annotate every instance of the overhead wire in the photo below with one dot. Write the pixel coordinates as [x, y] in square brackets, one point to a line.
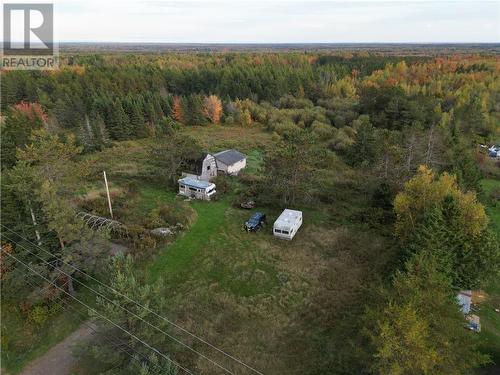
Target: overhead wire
[144, 307]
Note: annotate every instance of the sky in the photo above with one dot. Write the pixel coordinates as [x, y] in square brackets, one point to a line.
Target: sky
[276, 21]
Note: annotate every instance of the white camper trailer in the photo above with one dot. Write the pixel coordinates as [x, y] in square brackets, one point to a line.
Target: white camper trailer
[193, 188]
[287, 224]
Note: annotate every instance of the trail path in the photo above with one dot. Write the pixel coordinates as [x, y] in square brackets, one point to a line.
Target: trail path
[59, 360]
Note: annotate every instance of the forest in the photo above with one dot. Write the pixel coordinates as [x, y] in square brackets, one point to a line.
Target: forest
[386, 154]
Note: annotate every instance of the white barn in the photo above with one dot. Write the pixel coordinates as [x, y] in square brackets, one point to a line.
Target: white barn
[230, 162]
[287, 224]
[206, 167]
[193, 188]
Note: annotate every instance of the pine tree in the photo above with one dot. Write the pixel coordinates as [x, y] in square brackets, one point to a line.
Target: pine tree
[419, 329]
[127, 282]
[135, 115]
[118, 121]
[16, 131]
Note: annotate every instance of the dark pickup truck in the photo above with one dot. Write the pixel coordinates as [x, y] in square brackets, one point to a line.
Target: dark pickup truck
[255, 222]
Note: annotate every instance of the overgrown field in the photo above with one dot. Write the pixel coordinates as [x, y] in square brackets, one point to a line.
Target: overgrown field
[248, 293]
[285, 307]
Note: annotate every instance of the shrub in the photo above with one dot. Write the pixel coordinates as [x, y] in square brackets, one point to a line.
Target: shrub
[38, 315]
[169, 214]
[223, 183]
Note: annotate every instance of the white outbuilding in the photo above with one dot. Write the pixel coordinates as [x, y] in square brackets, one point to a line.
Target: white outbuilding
[287, 224]
[194, 188]
[230, 162]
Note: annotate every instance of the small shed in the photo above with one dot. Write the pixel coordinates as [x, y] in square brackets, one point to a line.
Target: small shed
[230, 162]
[194, 188]
[287, 224]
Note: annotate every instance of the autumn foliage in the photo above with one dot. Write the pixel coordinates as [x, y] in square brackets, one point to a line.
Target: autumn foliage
[177, 112]
[424, 191]
[30, 110]
[212, 108]
[5, 266]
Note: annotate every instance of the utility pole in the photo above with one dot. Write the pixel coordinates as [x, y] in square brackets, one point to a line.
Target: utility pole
[107, 192]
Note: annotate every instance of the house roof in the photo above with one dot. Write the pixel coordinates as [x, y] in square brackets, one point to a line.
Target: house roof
[229, 157]
[193, 182]
[197, 166]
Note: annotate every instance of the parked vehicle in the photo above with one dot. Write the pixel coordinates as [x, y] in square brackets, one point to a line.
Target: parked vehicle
[198, 189]
[256, 221]
[287, 224]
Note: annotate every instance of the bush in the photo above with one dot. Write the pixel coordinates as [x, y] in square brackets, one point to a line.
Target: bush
[223, 183]
[494, 196]
[38, 315]
[168, 214]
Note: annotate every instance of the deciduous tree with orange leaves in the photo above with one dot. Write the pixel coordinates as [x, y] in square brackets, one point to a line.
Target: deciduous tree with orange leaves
[177, 112]
[30, 110]
[212, 108]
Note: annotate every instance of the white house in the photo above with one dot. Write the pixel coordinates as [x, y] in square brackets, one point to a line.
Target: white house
[287, 224]
[230, 162]
[194, 188]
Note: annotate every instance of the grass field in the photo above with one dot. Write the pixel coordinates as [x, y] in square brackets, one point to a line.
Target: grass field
[249, 293]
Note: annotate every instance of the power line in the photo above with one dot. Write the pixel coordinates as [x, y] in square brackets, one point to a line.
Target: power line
[66, 307]
[128, 311]
[146, 308]
[100, 315]
[110, 341]
[62, 305]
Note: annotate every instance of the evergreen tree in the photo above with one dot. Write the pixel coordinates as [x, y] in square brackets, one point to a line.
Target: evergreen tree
[419, 329]
[127, 282]
[468, 262]
[16, 130]
[118, 123]
[364, 149]
[135, 115]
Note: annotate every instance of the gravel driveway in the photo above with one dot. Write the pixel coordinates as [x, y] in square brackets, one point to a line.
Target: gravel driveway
[59, 360]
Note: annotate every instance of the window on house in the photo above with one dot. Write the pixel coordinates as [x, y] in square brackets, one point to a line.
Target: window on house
[284, 232]
[193, 189]
[208, 167]
[277, 231]
[182, 186]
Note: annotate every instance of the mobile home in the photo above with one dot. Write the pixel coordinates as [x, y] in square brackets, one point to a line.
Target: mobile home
[194, 188]
[287, 224]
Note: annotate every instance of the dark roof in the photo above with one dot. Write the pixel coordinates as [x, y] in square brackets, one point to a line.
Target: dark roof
[229, 157]
[196, 165]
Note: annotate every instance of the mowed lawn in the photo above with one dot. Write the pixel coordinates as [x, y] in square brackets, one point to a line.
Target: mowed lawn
[216, 250]
[179, 255]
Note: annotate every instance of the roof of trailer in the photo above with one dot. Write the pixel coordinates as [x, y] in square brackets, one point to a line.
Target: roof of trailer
[193, 182]
[287, 218]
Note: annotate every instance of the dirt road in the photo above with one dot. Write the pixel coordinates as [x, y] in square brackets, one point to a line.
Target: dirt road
[59, 360]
